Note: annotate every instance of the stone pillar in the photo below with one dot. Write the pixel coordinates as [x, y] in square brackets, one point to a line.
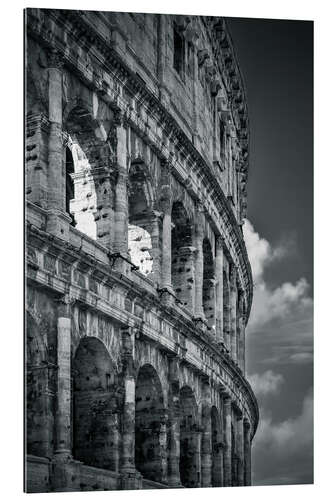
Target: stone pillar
[247, 453]
[241, 327]
[57, 221]
[227, 440]
[156, 253]
[198, 240]
[206, 438]
[128, 434]
[121, 200]
[173, 424]
[63, 411]
[219, 289]
[233, 313]
[166, 206]
[161, 59]
[240, 450]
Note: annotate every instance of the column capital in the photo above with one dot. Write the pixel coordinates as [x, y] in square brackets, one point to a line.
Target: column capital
[64, 303]
[219, 242]
[54, 59]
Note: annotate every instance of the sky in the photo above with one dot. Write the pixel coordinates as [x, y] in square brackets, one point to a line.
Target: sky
[276, 60]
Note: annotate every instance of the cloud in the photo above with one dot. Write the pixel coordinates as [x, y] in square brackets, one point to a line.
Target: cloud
[266, 383]
[285, 447]
[272, 303]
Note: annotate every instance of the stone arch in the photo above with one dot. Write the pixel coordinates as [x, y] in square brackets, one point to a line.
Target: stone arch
[150, 425]
[39, 419]
[141, 218]
[208, 285]
[95, 406]
[189, 465]
[217, 460]
[89, 154]
[182, 255]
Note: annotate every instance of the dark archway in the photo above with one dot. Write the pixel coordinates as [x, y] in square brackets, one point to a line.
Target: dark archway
[95, 409]
[217, 460]
[189, 469]
[150, 425]
[182, 257]
[208, 292]
[69, 184]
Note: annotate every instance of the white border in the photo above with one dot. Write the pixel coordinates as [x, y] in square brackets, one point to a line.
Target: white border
[12, 241]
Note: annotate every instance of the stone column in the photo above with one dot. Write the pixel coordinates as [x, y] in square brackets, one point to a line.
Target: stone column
[206, 438]
[63, 411]
[161, 59]
[121, 200]
[247, 453]
[233, 313]
[219, 289]
[173, 424]
[240, 450]
[156, 253]
[57, 221]
[128, 437]
[130, 478]
[166, 206]
[241, 327]
[226, 311]
[227, 440]
[198, 266]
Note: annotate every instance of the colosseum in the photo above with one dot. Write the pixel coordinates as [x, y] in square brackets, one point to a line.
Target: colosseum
[138, 283]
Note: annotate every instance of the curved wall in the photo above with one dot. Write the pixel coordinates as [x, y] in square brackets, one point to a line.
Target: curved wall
[136, 167]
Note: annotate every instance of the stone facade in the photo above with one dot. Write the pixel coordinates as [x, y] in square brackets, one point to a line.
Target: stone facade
[138, 285]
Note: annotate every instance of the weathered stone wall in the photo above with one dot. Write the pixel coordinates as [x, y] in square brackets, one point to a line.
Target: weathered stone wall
[138, 282]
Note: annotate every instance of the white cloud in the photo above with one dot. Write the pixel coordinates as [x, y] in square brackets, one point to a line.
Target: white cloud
[280, 446]
[272, 303]
[266, 383]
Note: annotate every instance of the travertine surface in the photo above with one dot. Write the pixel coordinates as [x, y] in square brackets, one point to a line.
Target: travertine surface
[139, 287]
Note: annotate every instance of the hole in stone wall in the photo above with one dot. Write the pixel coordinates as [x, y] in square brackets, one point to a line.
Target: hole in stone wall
[189, 445]
[182, 257]
[140, 243]
[208, 291]
[150, 428]
[216, 448]
[95, 426]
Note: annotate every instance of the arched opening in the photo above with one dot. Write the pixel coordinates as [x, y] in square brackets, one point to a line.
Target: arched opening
[150, 428]
[140, 227]
[88, 154]
[189, 439]
[39, 419]
[69, 184]
[95, 416]
[182, 256]
[217, 461]
[208, 285]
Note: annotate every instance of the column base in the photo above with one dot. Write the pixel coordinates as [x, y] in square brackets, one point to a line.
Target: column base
[200, 322]
[65, 473]
[167, 295]
[130, 479]
[58, 223]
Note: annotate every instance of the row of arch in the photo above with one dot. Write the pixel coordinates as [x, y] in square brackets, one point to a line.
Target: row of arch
[97, 418]
[144, 242]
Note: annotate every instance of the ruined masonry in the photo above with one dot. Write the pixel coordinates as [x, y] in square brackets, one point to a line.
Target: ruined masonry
[138, 286]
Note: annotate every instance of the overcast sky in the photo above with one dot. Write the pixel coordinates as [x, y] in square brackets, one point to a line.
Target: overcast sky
[276, 59]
